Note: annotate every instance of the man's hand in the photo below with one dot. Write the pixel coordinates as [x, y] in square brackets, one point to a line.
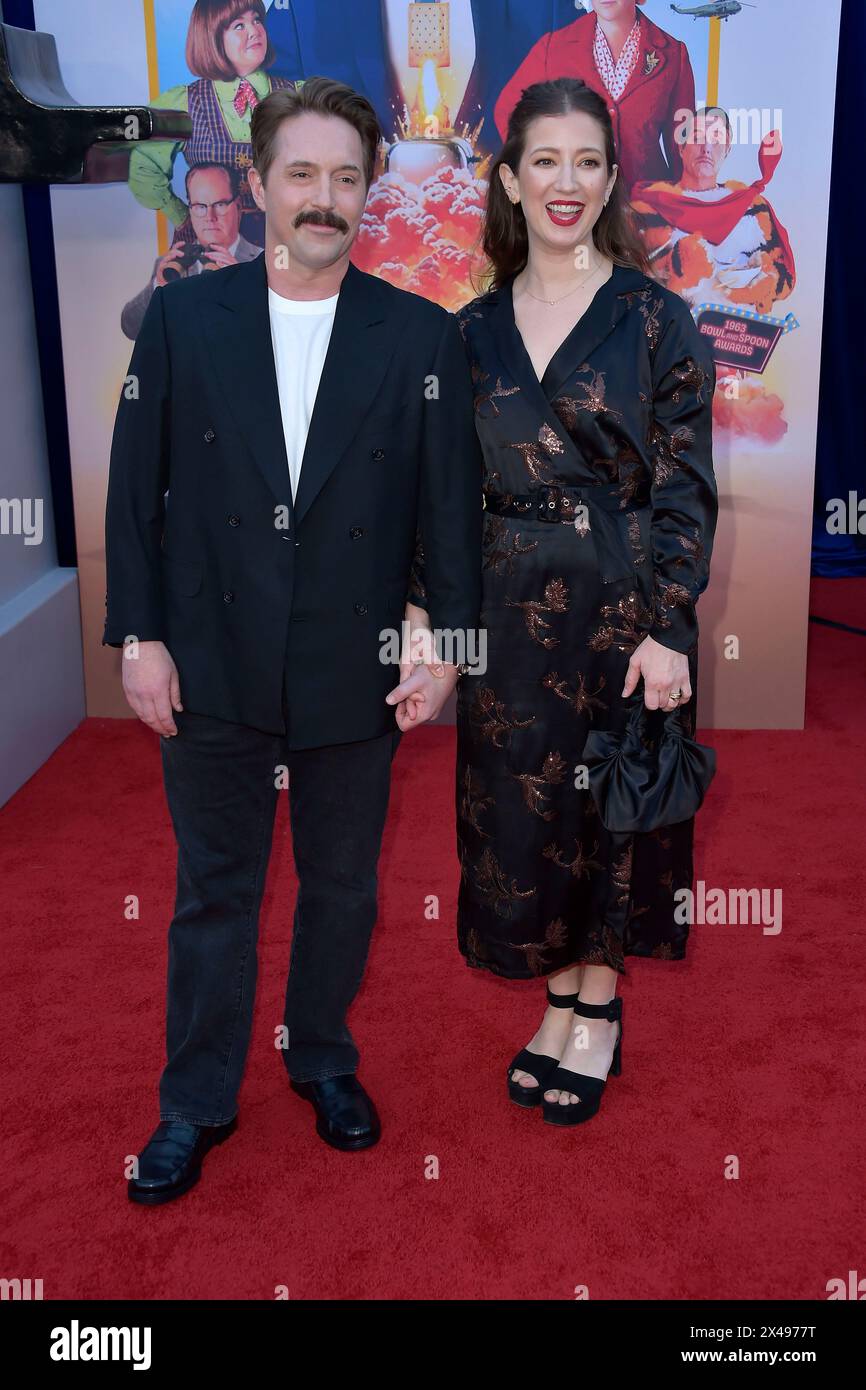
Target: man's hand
[219, 256]
[152, 686]
[423, 688]
[420, 695]
[171, 258]
[663, 670]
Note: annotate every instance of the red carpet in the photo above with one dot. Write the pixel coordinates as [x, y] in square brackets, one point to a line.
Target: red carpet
[753, 1047]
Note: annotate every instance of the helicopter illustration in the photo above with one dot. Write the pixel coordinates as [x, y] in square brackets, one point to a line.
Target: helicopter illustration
[716, 9]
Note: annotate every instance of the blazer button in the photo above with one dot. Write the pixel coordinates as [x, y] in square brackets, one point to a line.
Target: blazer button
[377, 454]
[228, 596]
[209, 437]
[356, 532]
[234, 521]
[360, 609]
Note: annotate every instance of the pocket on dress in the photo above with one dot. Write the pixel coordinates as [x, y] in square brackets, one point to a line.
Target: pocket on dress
[610, 530]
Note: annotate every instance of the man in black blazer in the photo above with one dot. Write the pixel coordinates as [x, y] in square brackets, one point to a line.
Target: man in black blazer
[251, 600]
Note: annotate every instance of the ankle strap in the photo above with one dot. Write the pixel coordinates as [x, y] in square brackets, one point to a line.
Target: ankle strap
[611, 1011]
[561, 1001]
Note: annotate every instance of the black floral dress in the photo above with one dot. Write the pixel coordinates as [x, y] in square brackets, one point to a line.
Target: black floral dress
[613, 449]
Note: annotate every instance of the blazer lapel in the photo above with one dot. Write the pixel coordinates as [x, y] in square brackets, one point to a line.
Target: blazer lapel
[579, 50]
[363, 341]
[236, 329]
[653, 58]
[237, 333]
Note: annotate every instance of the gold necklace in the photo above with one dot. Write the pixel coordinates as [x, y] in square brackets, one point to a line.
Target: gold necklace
[551, 302]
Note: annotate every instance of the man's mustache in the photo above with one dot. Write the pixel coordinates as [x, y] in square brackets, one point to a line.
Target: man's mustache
[321, 219]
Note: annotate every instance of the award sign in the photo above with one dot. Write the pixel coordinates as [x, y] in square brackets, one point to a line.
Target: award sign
[740, 337]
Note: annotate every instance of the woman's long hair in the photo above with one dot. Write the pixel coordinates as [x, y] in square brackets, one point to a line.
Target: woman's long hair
[504, 237]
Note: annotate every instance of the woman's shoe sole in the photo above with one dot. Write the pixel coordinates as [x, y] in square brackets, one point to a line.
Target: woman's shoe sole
[528, 1102]
[569, 1124]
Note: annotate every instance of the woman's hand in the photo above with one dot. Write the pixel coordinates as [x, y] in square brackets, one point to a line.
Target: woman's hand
[663, 670]
[421, 695]
[418, 698]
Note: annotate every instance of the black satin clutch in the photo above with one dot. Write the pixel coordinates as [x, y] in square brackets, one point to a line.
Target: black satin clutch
[650, 774]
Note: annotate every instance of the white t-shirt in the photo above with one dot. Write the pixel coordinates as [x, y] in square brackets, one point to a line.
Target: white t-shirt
[300, 333]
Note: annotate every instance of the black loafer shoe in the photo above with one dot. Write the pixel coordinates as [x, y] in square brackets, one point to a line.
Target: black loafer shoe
[170, 1163]
[345, 1115]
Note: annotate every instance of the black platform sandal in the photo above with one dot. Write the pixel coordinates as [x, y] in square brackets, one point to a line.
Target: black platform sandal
[535, 1064]
[588, 1089]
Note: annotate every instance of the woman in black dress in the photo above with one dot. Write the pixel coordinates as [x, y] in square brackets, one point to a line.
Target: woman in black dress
[593, 399]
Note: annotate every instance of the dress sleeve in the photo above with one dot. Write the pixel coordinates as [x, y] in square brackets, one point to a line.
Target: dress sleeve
[684, 494]
[151, 163]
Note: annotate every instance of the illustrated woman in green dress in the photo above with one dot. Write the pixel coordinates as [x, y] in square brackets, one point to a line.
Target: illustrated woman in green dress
[227, 48]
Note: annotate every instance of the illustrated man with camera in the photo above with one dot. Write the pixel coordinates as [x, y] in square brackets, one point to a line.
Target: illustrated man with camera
[213, 192]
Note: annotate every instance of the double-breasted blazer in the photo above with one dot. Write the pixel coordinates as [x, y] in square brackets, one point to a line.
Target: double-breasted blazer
[207, 551]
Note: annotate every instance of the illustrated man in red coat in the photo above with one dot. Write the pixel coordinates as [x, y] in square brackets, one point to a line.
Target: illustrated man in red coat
[643, 73]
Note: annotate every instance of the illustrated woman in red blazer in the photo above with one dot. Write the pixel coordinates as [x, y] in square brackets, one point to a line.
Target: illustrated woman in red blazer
[643, 74]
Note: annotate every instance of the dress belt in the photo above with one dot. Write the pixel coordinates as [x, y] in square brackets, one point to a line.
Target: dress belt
[557, 502]
[609, 518]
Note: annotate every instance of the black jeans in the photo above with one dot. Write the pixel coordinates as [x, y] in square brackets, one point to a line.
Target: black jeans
[222, 783]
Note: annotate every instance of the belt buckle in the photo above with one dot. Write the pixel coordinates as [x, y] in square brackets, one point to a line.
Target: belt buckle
[549, 503]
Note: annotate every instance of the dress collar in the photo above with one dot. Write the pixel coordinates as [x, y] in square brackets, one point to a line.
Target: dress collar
[601, 316]
[227, 91]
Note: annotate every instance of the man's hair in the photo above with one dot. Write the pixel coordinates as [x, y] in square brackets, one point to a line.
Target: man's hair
[235, 176]
[324, 96]
[711, 112]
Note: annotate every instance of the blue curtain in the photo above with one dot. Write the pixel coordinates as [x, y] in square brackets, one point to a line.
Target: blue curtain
[841, 450]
